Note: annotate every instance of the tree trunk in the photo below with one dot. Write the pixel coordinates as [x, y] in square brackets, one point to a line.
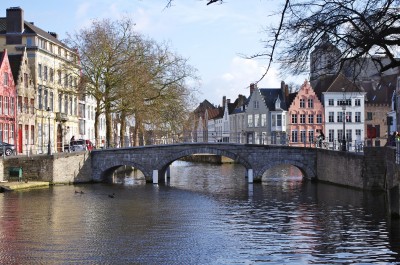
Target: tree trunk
[122, 129]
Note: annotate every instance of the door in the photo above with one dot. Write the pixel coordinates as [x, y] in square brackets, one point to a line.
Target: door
[20, 140]
[59, 139]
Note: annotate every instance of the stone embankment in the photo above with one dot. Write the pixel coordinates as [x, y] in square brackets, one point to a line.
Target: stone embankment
[60, 168]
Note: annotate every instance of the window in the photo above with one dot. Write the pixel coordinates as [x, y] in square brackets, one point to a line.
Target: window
[6, 105]
[25, 80]
[256, 120]
[357, 102]
[255, 104]
[19, 104]
[319, 118]
[349, 135]
[46, 98]
[310, 118]
[66, 80]
[51, 75]
[331, 116]
[59, 77]
[5, 79]
[40, 71]
[339, 135]
[40, 97]
[32, 106]
[358, 134]
[12, 106]
[76, 107]
[26, 105]
[45, 72]
[70, 106]
[294, 136]
[310, 136]
[358, 116]
[250, 120]
[331, 136]
[59, 102]
[369, 116]
[303, 136]
[339, 116]
[279, 120]
[348, 117]
[51, 101]
[263, 119]
[32, 134]
[294, 118]
[310, 103]
[330, 102]
[302, 103]
[302, 118]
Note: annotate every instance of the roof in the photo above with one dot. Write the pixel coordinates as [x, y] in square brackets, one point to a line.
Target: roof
[15, 64]
[29, 29]
[380, 92]
[343, 84]
[271, 95]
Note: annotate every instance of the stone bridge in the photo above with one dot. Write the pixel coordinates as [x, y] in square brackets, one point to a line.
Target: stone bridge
[154, 160]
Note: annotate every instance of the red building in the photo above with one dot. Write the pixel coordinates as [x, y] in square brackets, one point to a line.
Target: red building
[8, 100]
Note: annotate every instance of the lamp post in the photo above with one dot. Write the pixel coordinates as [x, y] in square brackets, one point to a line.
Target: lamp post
[344, 122]
[48, 144]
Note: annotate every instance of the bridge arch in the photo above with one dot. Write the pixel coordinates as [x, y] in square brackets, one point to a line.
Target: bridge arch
[307, 172]
[167, 161]
[108, 169]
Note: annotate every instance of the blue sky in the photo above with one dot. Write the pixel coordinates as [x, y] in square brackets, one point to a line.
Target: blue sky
[213, 38]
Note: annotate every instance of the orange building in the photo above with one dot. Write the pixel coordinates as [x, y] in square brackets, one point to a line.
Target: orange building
[8, 100]
[305, 117]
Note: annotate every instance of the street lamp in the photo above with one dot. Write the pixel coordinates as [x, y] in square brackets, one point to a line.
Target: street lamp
[344, 121]
[48, 144]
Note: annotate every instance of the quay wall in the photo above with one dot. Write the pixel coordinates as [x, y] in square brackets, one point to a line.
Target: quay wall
[59, 168]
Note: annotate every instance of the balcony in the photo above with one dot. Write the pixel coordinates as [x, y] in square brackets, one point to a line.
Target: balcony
[62, 117]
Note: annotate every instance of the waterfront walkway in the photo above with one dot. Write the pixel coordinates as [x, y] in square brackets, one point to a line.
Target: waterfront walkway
[15, 185]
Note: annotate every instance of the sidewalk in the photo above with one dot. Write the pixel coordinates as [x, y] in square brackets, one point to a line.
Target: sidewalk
[10, 186]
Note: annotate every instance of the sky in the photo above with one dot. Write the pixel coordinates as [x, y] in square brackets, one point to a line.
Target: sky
[215, 39]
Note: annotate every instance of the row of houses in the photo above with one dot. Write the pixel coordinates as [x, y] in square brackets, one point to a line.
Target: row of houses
[41, 103]
[350, 111]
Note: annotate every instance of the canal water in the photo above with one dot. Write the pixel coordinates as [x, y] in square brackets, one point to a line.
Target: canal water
[205, 214]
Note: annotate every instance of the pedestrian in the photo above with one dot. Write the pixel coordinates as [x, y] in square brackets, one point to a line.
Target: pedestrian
[320, 137]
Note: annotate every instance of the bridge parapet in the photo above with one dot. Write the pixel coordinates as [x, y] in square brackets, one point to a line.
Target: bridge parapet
[157, 158]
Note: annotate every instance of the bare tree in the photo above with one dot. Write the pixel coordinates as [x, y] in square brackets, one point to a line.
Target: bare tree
[360, 29]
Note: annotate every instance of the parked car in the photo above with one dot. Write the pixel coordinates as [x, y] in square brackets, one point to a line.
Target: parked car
[89, 145]
[6, 148]
[77, 145]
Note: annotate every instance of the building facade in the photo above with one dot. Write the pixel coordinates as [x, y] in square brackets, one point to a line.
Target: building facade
[306, 117]
[8, 100]
[55, 71]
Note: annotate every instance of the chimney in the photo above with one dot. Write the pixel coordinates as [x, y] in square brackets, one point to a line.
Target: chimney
[53, 34]
[228, 101]
[15, 20]
[223, 102]
[252, 87]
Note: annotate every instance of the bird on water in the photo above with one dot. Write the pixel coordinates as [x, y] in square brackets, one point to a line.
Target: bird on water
[111, 195]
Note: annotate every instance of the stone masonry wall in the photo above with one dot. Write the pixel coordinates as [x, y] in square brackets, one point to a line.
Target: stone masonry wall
[57, 168]
[342, 168]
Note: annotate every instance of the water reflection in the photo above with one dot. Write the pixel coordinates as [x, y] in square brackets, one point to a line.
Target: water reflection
[204, 214]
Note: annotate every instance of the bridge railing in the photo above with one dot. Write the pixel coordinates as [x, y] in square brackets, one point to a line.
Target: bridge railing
[251, 138]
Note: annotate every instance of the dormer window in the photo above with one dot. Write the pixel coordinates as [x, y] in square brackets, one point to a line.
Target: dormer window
[278, 104]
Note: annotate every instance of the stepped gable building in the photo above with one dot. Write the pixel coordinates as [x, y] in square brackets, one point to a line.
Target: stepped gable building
[8, 100]
[266, 114]
[306, 117]
[25, 103]
[55, 74]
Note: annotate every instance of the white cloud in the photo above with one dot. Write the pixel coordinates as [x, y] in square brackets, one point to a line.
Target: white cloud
[242, 72]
